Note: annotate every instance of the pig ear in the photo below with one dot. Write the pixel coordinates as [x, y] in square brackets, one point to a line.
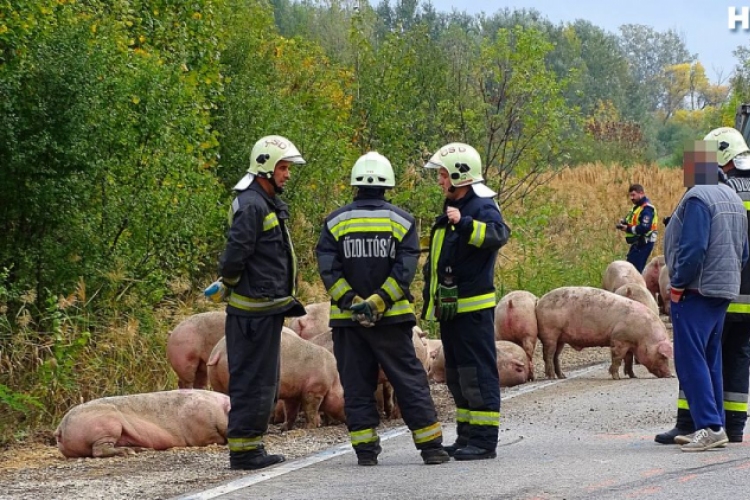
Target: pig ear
[665, 349]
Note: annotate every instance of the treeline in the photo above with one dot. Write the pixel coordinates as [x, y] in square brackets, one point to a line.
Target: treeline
[125, 123]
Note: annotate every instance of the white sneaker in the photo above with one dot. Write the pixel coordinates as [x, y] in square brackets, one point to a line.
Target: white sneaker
[706, 439]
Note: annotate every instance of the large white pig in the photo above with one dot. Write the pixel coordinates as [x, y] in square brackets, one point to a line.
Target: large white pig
[664, 288]
[621, 272]
[651, 277]
[634, 291]
[512, 364]
[592, 317]
[515, 321]
[189, 346]
[123, 425]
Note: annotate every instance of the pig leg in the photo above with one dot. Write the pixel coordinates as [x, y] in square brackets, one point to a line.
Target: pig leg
[558, 369]
[310, 406]
[629, 365]
[528, 347]
[389, 404]
[548, 355]
[292, 410]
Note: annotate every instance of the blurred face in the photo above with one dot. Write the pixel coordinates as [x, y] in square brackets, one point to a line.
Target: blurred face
[282, 173]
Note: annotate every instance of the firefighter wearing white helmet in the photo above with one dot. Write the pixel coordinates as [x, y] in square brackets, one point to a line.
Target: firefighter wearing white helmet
[459, 292]
[260, 268]
[733, 157]
[367, 257]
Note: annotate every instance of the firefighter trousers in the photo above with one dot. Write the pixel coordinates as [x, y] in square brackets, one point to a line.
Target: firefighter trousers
[253, 355]
[638, 255]
[472, 377]
[359, 351]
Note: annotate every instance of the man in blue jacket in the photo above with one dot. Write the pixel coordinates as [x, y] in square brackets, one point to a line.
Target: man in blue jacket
[459, 292]
[639, 227]
[706, 247]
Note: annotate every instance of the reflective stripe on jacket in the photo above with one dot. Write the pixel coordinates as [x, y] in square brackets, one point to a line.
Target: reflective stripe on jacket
[469, 250]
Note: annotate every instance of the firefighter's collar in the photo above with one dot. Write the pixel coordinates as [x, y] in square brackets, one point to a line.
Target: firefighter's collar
[244, 183]
[481, 190]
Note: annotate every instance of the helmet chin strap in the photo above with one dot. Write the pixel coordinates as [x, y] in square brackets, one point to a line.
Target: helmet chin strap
[276, 187]
[452, 189]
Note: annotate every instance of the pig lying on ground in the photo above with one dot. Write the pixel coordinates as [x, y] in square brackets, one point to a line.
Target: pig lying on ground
[634, 291]
[512, 364]
[314, 323]
[308, 379]
[123, 425]
[621, 272]
[189, 347]
[515, 321]
[591, 317]
[664, 288]
[651, 277]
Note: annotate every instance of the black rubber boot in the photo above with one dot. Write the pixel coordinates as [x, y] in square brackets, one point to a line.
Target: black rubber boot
[434, 456]
[253, 460]
[368, 457]
[683, 427]
[453, 448]
[471, 452]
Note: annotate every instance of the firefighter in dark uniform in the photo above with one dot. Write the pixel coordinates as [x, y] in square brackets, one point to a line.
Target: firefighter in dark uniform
[639, 227]
[459, 292]
[734, 159]
[259, 268]
[367, 257]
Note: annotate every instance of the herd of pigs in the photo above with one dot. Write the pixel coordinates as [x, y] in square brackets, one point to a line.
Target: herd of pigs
[622, 315]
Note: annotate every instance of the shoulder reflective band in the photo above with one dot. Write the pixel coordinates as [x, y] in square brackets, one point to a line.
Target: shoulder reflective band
[270, 221]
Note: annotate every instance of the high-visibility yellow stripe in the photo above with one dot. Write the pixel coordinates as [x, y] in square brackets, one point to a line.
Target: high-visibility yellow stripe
[435, 249]
[733, 406]
[245, 444]
[364, 436]
[491, 418]
[428, 433]
[463, 415]
[747, 205]
[392, 288]
[477, 302]
[339, 289]
[402, 307]
[738, 308]
[369, 225]
[682, 404]
[478, 233]
[256, 305]
[270, 221]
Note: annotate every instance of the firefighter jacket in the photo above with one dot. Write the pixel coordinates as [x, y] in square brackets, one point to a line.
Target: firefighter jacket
[642, 223]
[466, 252]
[368, 247]
[739, 309]
[258, 264]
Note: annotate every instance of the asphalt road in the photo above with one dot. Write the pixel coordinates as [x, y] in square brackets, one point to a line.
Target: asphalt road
[586, 437]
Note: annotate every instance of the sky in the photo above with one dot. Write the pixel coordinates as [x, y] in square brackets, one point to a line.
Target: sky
[702, 23]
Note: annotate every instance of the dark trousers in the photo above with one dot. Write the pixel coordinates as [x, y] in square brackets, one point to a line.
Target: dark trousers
[638, 255]
[735, 355]
[698, 322]
[253, 355]
[359, 351]
[471, 374]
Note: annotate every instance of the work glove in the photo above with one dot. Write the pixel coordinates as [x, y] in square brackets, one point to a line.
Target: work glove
[447, 302]
[368, 311]
[216, 291]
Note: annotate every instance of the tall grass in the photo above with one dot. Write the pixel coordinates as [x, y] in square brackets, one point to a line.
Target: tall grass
[64, 353]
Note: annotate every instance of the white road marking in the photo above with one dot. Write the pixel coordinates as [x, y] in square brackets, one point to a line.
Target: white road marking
[341, 449]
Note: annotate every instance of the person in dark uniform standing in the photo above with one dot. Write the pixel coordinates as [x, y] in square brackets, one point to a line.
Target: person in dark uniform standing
[259, 269]
[639, 227]
[367, 257]
[734, 159]
[459, 292]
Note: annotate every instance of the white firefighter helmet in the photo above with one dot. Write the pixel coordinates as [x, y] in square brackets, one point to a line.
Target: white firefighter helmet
[731, 144]
[464, 166]
[373, 169]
